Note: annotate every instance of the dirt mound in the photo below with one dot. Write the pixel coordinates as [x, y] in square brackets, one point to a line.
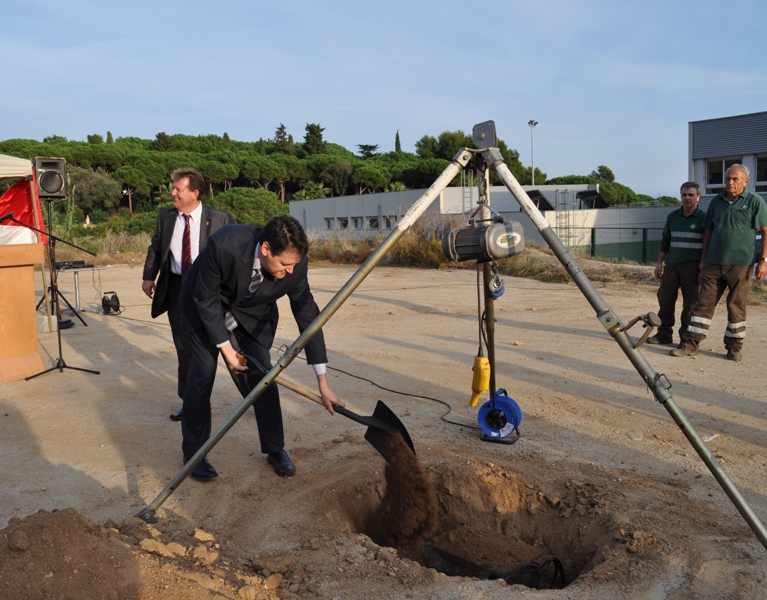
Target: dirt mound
[61, 554]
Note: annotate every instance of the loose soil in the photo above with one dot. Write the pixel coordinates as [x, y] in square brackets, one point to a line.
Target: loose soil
[601, 477]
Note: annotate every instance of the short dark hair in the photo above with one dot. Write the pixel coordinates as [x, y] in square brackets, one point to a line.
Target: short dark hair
[285, 233]
[690, 185]
[196, 180]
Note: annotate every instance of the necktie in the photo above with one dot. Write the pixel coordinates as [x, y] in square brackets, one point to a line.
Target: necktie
[186, 248]
[255, 280]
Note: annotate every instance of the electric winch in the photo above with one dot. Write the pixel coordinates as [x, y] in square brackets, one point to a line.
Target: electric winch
[486, 239]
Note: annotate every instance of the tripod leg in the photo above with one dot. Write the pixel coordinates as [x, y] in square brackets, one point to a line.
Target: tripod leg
[53, 368]
[83, 370]
[73, 309]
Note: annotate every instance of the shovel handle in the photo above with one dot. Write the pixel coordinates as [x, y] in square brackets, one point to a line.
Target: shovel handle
[299, 388]
[304, 391]
[287, 382]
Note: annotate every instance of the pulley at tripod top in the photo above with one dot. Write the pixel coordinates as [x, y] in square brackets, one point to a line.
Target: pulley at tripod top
[500, 416]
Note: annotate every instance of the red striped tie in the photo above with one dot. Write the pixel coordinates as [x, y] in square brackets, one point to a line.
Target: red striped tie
[186, 249]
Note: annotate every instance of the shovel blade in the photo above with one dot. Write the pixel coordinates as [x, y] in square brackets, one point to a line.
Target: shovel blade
[384, 424]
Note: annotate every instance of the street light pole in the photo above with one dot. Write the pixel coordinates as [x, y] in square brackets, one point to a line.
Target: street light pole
[532, 125]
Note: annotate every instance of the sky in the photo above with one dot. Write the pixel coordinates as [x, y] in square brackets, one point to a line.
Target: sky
[609, 82]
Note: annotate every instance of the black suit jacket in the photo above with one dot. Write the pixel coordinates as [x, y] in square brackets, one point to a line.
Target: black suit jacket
[218, 281]
[158, 256]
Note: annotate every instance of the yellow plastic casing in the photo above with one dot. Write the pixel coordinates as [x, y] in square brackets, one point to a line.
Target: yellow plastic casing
[481, 380]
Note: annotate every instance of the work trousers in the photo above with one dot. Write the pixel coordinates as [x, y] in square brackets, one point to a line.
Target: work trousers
[683, 276]
[178, 331]
[717, 278]
[196, 418]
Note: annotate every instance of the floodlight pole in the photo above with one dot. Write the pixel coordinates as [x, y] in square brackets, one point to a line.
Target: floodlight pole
[532, 123]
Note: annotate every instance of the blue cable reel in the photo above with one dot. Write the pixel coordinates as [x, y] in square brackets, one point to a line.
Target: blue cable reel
[499, 417]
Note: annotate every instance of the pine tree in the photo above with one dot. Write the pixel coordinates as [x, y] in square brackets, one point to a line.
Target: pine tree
[110, 139]
[367, 150]
[397, 145]
[313, 142]
[281, 141]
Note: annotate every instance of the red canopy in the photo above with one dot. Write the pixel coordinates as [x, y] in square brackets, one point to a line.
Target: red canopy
[18, 200]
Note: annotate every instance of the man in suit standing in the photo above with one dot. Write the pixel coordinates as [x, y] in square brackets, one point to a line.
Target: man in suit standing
[230, 295]
[185, 226]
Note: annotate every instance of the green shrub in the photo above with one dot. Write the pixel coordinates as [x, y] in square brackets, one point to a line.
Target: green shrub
[99, 216]
[146, 223]
[249, 206]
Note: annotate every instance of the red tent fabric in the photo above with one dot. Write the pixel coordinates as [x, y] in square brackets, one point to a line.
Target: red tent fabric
[18, 200]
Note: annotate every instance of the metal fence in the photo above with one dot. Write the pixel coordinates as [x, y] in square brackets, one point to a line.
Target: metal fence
[635, 244]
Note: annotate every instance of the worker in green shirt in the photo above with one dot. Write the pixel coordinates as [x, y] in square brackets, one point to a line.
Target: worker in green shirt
[680, 248]
[733, 219]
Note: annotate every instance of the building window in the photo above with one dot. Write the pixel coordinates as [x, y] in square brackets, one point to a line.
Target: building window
[357, 222]
[343, 222]
[715, 170]
[761, 173]
[329, 223]
[372, 222]
[389, 222]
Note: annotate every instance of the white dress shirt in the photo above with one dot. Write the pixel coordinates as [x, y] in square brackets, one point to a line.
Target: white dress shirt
[178, 236]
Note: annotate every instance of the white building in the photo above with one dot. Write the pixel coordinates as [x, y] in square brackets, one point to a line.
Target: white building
[576, 212]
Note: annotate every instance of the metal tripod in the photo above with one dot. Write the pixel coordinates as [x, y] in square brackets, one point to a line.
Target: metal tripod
[55, 295]
[486, 150]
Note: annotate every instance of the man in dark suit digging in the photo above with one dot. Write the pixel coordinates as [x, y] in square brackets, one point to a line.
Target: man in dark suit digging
[231, 291]
[182, 232]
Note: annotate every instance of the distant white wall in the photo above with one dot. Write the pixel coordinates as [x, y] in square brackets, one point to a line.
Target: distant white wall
[369, 214]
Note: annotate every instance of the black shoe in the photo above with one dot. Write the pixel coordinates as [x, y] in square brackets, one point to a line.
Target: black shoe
[67, 323]
[176, 416]
[282, 464]
[684, 350]
[734, 355]
[203, 471]
[656, 340]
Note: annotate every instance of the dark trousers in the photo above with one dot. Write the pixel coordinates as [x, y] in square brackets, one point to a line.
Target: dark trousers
[716, 279]
[178, 331]
[683, 276]
[196, 419]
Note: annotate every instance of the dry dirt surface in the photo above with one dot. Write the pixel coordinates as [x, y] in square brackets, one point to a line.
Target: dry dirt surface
[601, 480]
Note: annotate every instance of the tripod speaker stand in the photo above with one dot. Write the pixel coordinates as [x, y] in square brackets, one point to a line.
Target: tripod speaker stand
[55, 294]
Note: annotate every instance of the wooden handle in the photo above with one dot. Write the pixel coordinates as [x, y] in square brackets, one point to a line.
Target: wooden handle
[299, 388]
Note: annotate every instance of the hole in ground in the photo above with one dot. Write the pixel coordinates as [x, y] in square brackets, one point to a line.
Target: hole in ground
[484, 514]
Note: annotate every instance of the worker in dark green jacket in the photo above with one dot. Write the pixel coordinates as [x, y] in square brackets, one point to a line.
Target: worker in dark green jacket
[733, 220]
[680, 249]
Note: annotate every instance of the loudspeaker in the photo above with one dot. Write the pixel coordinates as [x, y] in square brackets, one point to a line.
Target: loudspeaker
[51, 174]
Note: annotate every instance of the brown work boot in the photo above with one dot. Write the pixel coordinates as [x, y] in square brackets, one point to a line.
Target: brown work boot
[659, 339]
[684, 350]
[734, 355]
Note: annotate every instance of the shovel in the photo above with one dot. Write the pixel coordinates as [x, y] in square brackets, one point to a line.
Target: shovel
[382, 425]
